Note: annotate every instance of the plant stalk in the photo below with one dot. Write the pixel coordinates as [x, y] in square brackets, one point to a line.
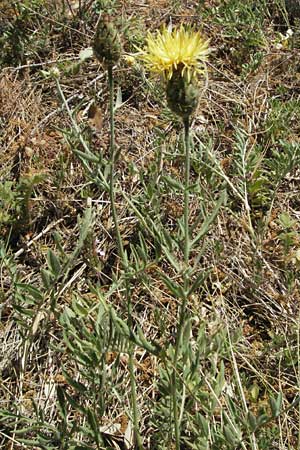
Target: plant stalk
[112, 149]
[122, 255]
[186, 198]
[182, 314]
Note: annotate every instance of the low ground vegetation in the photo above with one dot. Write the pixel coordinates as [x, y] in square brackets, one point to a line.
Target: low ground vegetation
[97, 351]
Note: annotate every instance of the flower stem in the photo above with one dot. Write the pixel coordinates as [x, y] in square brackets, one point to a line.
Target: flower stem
[112, 165]
[186, 197]
[122, 255]
[182, 314]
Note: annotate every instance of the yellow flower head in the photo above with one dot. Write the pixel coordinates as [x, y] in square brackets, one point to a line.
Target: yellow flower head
[168, 51]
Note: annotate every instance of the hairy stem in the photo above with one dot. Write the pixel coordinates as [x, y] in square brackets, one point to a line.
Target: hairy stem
[112, 167]
[122, 256]
[186, 199]
[182, 314]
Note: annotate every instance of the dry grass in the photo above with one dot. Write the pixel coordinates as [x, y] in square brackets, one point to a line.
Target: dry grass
[252, 282]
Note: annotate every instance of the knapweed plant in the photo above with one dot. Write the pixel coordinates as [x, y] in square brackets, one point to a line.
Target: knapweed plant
[191, 356]
[107, 49]
[179, 56]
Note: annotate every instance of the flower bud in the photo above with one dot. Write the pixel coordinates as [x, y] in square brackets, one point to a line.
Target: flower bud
[54, 72]
[182, 95]
[107, 45]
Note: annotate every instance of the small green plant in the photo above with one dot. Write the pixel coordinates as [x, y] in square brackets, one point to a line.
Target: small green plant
[241, 26]
[15, 202]
[289, 235]
[281, 118]
[8, 199]
[16, 39]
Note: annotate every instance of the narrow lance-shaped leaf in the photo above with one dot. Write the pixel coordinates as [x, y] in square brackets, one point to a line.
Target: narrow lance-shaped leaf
[210, 219]
[53, 263]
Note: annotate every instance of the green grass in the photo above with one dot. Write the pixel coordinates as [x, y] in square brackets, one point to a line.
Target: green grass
[123, 324]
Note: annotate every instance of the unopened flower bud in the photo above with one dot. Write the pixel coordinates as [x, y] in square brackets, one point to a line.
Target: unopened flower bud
[130, 60]
[107, 45]
[182, 95]
[54, 72]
